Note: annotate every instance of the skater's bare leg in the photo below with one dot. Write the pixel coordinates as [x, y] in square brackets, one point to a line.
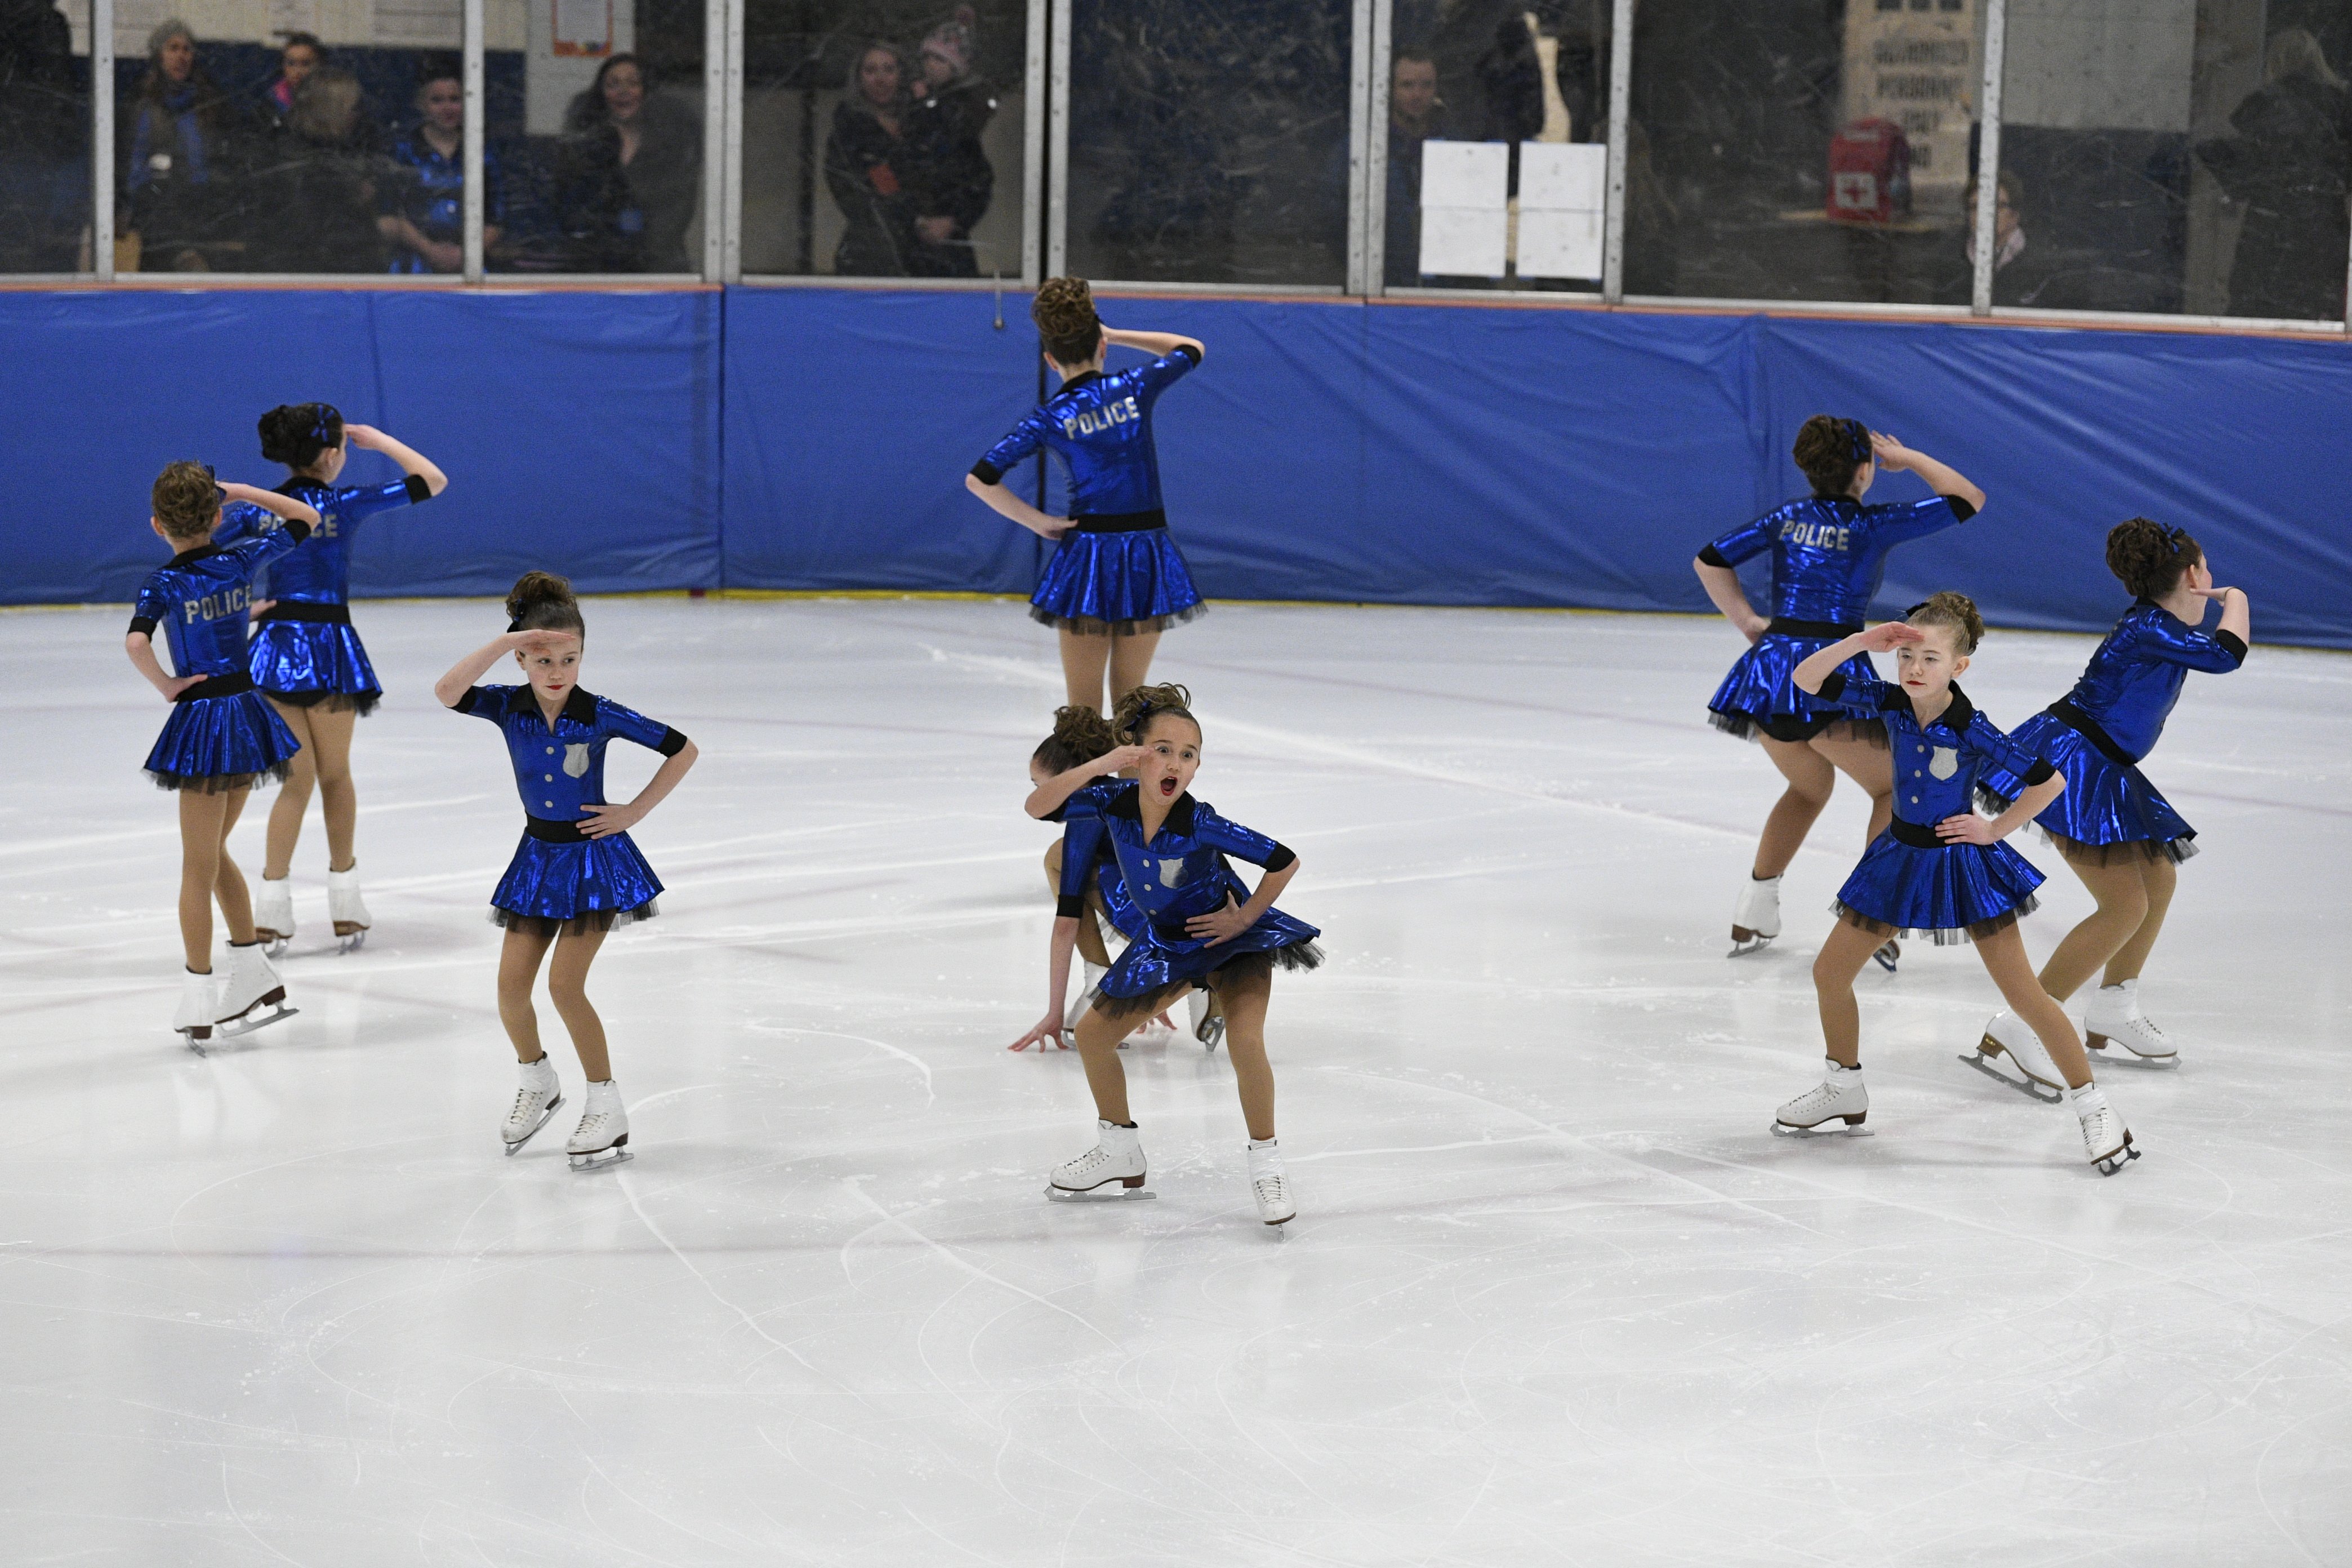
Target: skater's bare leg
[1098, 1039]
[2004, 959]
[1810, 778]
[1090, 940]
[1131, 662]
[1842, 958]
[518, 971]
[1871, 767]
[2158, 879]
[1084, 661]
[1246, 1000]
[2100, 938]
[229, 890]
[567, 985]
[293, 795]
[201, 816]
[331, 737]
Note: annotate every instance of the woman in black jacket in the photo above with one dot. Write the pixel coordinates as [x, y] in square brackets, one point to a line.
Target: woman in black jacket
[868, 165]
[628, 173]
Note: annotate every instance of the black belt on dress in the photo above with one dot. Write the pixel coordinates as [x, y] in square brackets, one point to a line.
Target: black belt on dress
[548, 832]
[1833, 630]
[1917, 837]
[2083, 724]
[296, 610]
[1118, 521]
[228, 685]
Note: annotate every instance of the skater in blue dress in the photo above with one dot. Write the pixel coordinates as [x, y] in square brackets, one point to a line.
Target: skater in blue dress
[1202, 926]
[305, 657]
[2113, 826]
[576, 874]
[1829, 554]
[1939, 870]
[1115, 580]
[222, 739]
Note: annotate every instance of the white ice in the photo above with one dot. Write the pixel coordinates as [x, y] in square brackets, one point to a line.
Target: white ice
[1554, 1294]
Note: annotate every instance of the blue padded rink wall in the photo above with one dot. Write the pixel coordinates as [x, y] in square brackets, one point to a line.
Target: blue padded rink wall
[1555, 1295]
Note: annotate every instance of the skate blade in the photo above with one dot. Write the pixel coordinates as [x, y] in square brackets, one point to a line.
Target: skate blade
[2109, 1164]
[195, 1039]
[247, 1021]
[553, 1107]
[1888, 957]
[274, 943]
[2130, 1057]
[601, 1159]
[1115, 1195]
[1782, 1129]
[352, 943]
[1741, 946]
[1211, 1034]
[1980, 1059]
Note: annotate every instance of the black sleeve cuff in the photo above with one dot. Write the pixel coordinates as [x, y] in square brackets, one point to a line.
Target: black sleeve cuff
[1070, 906]
[672, 743]
[1960, 509]
[1714, 557]
[1281, 858]
[1834, 688]
[1190, 352]
[986, 472]
[299, 529]
[2231, 644]
[145, 624]
[466, 704]
[2040, 772]
[418, 490]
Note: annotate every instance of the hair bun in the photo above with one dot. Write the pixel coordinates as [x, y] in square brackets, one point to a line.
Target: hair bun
[1145, 704]
[2148, 558]
[295, 434]
[1953, 609]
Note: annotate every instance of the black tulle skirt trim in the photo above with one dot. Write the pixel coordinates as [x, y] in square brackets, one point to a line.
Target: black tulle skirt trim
[1951, 936]
[1748, 727]
[2075, 852]
[360, 702]
[219, 784]
[547, 927]
[1261, 964]
[1090, 627]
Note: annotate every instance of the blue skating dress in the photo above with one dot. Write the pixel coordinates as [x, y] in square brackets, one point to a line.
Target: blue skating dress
[221, 735]
[1118, 905]
[2097, 734]
[1116, 570]
[560, 878]
[1829, 555]
[1910, 882]
[304, 650]
[1178, 873]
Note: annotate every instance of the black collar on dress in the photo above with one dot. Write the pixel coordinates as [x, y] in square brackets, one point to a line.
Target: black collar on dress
[185, 556]
[297, 483]
[1078, 381]
[1128, 804]
[1956, 717]
[580, 707]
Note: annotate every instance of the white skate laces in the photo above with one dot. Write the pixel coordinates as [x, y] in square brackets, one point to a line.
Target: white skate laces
[2106, 1141]
[346, 909]
[1268, 1185]
[1840, 1096]
[2113, 1015]
[252, 997]
[535, 1102]
[602, 1139]
[1757, 920]
[1117, 1156]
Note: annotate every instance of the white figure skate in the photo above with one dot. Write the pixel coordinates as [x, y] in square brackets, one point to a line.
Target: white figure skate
[602, 1136]
[273, 913]
[198, 1008]
[253, 997]
[2113, 1015]
[346, 909]
[1208, 1022]
[1840, 1096]
[1757, 920]
[1269, 1186]
[2008, 1036]
[1117, 1156]
[535, 1102]
[2106, 1141]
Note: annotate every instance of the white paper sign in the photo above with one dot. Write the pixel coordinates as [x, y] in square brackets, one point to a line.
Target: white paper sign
[1465, 208]
[1563, 188]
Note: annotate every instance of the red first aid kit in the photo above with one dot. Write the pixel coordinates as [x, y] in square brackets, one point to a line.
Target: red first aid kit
[1870, 172]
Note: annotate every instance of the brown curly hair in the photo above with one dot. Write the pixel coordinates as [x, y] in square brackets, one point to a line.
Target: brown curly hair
[1956, 611]
[1136, 712]
[541, 601]
[1064, 311]
[186, 500]
[2149, 557]
[1825, 449]
[1080, 735]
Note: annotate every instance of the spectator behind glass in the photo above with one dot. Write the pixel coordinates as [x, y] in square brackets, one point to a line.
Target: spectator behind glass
[2019, 270]
[44, 121]
[867, 160]
[950, 178]
[2290, 165]
[423, 197]
[315, 195]
[628, 173]
[299, 55]
[178, 179]
[1415, 115]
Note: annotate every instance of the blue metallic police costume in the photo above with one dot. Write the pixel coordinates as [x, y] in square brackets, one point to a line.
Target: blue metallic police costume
[1165, 881]
[1910, 882]
[1829, 555]
[2097, 734]
[560, 878]
[304, 650]
[221, 735]
[1116, 570]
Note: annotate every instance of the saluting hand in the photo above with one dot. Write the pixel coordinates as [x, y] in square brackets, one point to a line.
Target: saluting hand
[1889, 636]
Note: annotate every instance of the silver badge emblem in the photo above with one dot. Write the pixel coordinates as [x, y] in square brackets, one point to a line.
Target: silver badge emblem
[1945, 762]
[1171, 873]
[575, 761]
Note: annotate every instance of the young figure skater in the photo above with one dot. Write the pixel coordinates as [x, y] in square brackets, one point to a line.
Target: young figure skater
[221, 739]
[1829, 554]
[1202, 927]
[1116, 581]
[576, 874]
[1939, 870]
[2113, 829]
[305, 655]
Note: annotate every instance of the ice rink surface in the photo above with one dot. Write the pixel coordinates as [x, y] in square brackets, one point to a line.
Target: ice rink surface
[1554, 1294]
